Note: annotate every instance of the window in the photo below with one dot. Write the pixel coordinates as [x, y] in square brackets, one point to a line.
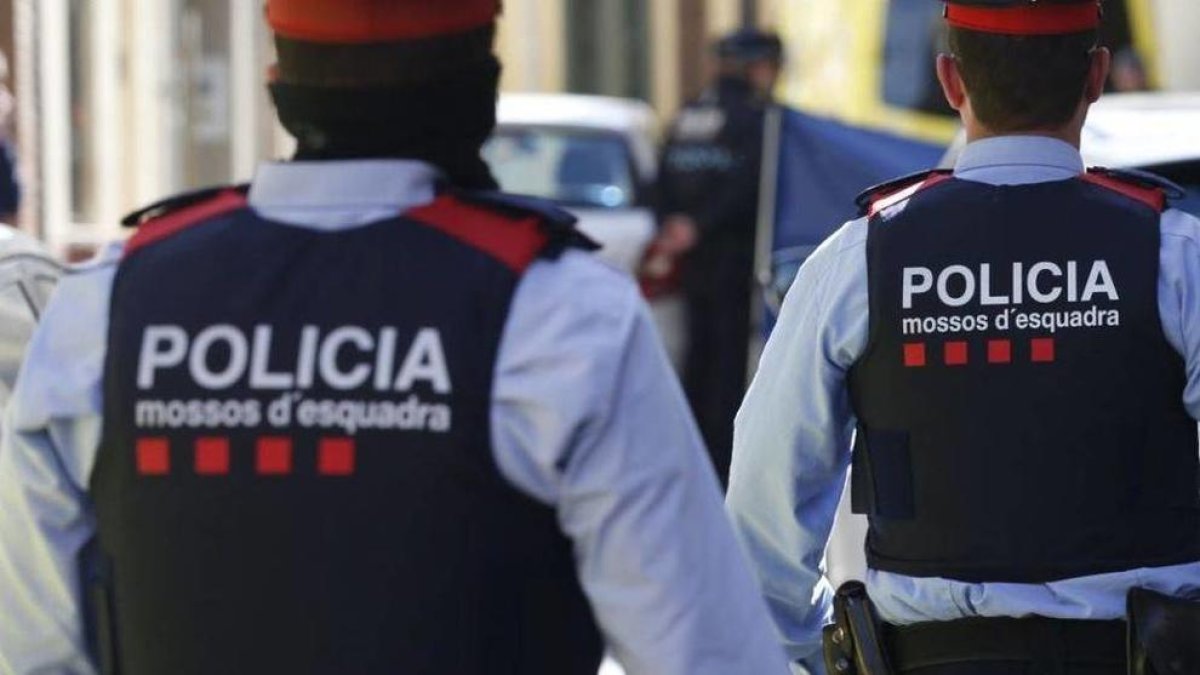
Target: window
[139, 100]
[608, 47]
[205, 84]
[83, 188]
[575, 168]
[915, 35]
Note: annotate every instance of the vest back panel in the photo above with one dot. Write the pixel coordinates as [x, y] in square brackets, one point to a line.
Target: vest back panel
[1020, 408]
[296, 474]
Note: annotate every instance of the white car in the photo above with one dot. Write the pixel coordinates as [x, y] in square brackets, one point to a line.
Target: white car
[1157, 132]
[593, 155]
[597, 157]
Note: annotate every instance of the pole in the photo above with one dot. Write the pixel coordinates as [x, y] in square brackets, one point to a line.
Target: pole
[764, 268]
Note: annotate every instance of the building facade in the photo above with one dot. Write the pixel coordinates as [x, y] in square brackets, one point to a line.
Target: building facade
[120, 102]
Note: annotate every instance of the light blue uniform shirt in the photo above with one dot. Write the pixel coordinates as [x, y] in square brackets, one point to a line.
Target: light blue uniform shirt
[587, 417]
[793, 433]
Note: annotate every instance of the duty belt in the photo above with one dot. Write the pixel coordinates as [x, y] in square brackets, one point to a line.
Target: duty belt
[1161, 637]
[1048, 645]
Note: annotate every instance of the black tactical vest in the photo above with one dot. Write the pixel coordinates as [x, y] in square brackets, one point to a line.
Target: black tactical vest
[1021, 415]
[296, 473]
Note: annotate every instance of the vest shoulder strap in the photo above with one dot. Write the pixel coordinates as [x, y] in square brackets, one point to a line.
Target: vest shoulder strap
[173, 215]
[1142, 186]
[879, 197]
[513, 229]
[559, 223]
[179, 202]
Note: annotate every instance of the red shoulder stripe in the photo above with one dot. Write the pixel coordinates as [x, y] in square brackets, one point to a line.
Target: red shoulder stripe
[170, 224]
[515, 242]
[1152, 197]
[886, 201]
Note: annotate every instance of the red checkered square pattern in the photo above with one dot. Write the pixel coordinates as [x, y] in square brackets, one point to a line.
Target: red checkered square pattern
[956, 353]
[153, 456]
[914, 355]
[212, 456]
[1042, 350]
[999, 351]
[273, 456]
[335, 457]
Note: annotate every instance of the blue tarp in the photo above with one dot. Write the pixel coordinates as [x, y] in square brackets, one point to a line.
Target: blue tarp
[823, 166]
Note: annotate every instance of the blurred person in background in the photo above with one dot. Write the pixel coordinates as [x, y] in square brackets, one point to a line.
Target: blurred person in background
[1028, 469]
[1129, 72]
[709, 191]
[366, 415]
[10, 183]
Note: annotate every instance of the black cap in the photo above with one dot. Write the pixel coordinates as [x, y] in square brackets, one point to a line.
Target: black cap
[748, 44]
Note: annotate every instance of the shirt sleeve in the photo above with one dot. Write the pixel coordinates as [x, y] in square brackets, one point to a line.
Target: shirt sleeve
[50, 438]
[792, 438]
[1179, 296]
[588, 417]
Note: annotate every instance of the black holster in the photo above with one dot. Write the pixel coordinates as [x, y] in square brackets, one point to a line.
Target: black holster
[99, 610]
[1164, 634]
[854, 643]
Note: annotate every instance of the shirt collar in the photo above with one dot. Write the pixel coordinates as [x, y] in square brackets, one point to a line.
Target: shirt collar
[396, 185]
[1018, 160]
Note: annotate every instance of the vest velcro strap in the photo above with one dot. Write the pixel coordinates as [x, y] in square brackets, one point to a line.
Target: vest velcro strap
[868, 202]
[1153, 197]
[176, 218]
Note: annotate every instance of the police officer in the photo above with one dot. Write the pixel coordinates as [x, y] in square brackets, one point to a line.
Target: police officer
[360, 417]
[708, 189]
[1014, 347]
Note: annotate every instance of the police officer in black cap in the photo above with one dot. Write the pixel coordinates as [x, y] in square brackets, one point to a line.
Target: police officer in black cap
[1014, 347]
[708, 193]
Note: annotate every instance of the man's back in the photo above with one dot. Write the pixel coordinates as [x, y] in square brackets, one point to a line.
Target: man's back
[1003, 320]
[333, 433]
[475, 510]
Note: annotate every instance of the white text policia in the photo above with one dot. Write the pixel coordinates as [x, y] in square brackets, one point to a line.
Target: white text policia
[342, 359]
[1042, 283]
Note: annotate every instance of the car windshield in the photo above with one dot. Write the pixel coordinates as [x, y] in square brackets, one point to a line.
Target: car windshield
[579, 168]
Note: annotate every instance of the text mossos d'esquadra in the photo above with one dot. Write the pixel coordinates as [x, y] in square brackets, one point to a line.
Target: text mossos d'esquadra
[344, 359]
[1016, 297]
